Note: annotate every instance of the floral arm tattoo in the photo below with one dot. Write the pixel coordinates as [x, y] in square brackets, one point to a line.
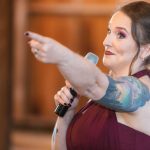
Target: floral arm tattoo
[125, 94]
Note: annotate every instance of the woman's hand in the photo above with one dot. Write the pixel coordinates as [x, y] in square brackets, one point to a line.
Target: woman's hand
[45, 49]
[63, 96]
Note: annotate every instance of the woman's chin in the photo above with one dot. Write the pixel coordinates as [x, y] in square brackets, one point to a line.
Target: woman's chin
[107, 64]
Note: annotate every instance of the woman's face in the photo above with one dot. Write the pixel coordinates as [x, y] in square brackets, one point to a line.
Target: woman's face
[120, 47]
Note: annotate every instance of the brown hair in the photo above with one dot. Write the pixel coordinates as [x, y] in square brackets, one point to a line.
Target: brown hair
[139, 13]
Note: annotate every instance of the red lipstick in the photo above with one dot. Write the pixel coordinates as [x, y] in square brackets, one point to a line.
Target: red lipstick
[108, 53]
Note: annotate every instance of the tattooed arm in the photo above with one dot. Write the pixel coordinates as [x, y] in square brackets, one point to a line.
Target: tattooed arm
[125, 94]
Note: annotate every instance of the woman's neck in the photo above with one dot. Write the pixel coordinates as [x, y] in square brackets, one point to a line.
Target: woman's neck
[136, 67]
[120, 73]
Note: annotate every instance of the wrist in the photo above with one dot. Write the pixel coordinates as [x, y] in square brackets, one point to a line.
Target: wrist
[67, 117]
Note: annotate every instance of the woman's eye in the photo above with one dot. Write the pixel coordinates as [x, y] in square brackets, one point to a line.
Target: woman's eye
[108, 31]
[121, 35]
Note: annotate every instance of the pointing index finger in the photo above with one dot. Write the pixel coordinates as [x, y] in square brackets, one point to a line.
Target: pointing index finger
[37, 37]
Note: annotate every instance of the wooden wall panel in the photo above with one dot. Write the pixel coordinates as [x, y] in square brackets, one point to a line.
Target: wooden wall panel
[81, 34]
[76, 24]
[78, 1]
[55, 1]
[19, 59]
[94, 30]
[101, 1]
[45, 80]
[5, 74]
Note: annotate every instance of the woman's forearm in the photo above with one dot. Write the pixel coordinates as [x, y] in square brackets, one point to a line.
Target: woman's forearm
[58, 141]
[84, 76]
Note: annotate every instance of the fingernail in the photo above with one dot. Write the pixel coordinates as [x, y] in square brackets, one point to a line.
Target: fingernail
[69, 105]
[73, 92]
[71, 100]
[26, 33]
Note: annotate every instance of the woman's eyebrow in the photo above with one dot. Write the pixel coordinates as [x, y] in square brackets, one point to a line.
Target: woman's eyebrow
[122, 28]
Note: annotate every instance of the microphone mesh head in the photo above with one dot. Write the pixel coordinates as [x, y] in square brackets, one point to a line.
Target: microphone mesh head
[92, 57]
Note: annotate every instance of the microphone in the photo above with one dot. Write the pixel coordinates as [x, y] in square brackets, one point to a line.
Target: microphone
[62, 109]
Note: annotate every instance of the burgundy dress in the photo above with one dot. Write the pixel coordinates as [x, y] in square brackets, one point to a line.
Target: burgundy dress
[105, 133]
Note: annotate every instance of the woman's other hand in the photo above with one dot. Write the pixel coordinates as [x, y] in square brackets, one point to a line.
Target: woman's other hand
[63, 96]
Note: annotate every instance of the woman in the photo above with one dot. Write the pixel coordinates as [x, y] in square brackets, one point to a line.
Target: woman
[117, 116]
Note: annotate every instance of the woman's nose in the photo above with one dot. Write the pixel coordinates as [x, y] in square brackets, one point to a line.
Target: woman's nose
[107, 41]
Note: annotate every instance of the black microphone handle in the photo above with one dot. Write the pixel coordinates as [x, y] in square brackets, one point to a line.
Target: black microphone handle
[62, 109]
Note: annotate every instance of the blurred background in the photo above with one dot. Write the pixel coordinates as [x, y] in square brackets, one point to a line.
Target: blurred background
[27, 86]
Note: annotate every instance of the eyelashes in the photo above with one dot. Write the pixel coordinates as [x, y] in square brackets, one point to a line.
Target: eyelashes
[119, 34]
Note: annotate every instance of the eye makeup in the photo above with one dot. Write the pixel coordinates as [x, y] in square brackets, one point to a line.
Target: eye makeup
[121, 35]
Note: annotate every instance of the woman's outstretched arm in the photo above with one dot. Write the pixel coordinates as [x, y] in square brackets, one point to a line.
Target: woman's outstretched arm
[87, 79]
[84, 76]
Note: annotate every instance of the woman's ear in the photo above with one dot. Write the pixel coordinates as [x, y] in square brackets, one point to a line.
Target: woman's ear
[144, 51]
